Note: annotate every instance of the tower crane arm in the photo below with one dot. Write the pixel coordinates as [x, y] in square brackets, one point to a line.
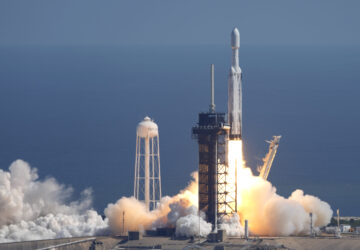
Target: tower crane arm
[269, 158]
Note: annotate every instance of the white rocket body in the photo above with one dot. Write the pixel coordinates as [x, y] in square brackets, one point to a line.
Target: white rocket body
[234, 89]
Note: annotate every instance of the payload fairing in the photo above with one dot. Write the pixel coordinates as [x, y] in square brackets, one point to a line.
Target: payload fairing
[234, 89]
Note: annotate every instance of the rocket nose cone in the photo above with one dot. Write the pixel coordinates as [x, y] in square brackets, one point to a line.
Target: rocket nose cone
[235, 38]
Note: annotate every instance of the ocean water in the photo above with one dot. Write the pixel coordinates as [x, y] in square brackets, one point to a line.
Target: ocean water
[72, 112]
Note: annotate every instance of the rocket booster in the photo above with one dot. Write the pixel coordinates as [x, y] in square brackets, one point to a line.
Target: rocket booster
[234, 89]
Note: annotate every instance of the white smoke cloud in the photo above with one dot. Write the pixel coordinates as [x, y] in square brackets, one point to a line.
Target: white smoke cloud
[176, 212]
[130, 211]
[271, 214]
[33, 209]
[55, 226]
[232, 225]
[192, 224]
[267, 212]
[321, 210]
[168, 213]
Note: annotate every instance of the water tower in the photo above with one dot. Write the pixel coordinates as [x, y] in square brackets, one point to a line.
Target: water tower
[147, 181]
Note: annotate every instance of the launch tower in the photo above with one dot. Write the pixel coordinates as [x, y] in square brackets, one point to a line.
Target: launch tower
[217, 198]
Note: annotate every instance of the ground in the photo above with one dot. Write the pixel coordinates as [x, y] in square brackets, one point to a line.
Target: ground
[324, 242]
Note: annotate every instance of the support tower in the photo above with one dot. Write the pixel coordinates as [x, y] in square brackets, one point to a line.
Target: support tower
[216, 196]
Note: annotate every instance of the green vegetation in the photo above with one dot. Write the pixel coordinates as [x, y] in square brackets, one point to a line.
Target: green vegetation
[352, 222]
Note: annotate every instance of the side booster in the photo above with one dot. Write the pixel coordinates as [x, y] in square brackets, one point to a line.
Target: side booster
[234, 90]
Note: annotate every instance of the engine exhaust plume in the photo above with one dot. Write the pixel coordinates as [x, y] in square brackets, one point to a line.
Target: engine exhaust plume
[269, 213]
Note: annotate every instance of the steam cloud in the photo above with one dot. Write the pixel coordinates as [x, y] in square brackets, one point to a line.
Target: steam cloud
[271, 214]
[267, 212]
[179, 212]
[31, 209]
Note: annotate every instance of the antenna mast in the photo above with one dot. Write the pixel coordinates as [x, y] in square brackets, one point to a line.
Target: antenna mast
[212, 101]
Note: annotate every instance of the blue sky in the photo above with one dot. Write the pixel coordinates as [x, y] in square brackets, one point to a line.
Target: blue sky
[116, 22]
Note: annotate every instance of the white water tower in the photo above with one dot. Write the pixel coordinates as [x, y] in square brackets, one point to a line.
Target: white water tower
[147, 181]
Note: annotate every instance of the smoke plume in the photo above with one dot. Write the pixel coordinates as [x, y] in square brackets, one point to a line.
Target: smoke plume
[179, 211]
[267, 212]
[232, 225]
[271, 214]
[33, 209]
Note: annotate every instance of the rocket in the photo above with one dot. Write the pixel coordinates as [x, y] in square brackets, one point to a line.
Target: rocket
[234, 90]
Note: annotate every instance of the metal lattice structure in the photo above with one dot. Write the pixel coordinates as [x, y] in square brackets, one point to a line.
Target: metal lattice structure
[227, 191]
[217, 197]
[147, 180]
